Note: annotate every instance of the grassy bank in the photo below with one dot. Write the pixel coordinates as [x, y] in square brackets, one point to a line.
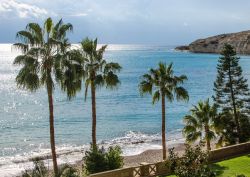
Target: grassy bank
[232, 167]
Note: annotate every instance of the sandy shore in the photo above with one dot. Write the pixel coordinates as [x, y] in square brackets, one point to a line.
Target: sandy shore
[150, 156]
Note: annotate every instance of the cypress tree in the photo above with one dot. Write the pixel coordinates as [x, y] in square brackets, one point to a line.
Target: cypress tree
[232, 95]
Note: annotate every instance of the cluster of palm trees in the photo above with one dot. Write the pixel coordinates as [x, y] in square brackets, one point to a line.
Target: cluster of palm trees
[47, 59]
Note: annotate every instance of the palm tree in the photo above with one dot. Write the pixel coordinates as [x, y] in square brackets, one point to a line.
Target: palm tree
[43, 60]
[97, 72]
[163, 84]
[200, 124]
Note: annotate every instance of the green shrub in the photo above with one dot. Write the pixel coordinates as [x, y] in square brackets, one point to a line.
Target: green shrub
[68, 171]
[114, 158]
[39, 169]
[194, 162]
[95, 160]
[98, 160]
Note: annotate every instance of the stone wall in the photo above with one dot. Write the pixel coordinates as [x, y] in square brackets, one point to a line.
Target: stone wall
[229, 152]
[144, 170]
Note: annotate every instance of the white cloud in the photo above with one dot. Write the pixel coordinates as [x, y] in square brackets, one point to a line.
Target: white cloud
[13, 8]
[79, 15]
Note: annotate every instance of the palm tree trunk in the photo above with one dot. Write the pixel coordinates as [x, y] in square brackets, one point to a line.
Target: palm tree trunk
[207, 139]
[163, 129]
[93, 114]
[52, 132]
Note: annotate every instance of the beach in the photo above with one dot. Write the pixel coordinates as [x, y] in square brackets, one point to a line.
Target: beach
[146, 157]
[134, 155]
[150, 156]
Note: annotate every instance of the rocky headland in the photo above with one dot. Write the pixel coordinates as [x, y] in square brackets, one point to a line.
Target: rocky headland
[214, 44]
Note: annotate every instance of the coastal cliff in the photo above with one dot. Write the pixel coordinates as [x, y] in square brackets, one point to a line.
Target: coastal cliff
[214, 44]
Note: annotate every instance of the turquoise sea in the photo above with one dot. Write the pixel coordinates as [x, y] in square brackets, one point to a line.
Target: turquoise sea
[123, 117]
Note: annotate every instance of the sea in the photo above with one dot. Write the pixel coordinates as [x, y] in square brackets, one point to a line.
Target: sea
[124, 118]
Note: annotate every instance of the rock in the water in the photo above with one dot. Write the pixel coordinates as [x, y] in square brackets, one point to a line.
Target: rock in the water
[182, 48]
[241, 42]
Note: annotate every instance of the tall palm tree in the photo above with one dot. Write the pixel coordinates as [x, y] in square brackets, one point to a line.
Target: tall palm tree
[162, 84]
[200, 123]
[43, 60]
[97, 72]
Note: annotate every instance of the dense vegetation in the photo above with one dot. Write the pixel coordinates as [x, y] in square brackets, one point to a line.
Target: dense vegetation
[98, 160]
[232, 97]
[235, 167]
[47, 59]
[228, 119]
[200, 123]
[194, 162]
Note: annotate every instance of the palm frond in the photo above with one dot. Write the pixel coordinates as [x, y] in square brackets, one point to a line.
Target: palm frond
[48, 26]
[168, 93]
[193, 136]
[21, 46]
[99, 80]
[99, 53]
[62, 31]
[210, 135]
[36, 31]
[26, 37]
[87, 46]
[27, 79]
[145, 87]
[181, 93]
[156, 96]
[111, 80]
[58, 24]
[180, 79]
[114, 67]
[191, 120]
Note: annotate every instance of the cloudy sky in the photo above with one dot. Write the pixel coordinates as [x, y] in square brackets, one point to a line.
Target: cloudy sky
[163, 22]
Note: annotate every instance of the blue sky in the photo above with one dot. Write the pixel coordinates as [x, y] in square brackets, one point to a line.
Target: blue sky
[162, 22]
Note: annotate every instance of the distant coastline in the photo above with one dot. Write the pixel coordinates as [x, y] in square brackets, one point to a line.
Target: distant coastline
[214, 44]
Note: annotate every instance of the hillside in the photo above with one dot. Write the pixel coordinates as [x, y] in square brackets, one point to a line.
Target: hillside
[214, 44]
